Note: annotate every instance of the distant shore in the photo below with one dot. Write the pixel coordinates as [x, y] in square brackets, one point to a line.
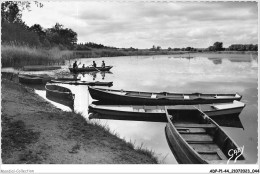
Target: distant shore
[34, 131]
[97, 53]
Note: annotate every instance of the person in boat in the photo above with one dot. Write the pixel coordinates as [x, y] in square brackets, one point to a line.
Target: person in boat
[103, 64]
[75, 65]
[94, 64]
[83, 66]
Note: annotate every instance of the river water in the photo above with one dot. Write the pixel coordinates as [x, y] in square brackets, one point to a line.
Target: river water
[205, 73]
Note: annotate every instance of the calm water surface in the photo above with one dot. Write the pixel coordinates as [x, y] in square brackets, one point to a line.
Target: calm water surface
[214, 73]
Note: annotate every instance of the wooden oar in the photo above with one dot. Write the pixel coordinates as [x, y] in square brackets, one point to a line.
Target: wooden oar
[97, 69]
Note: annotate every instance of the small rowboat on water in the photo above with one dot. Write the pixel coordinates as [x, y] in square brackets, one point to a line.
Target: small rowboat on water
[87, 69]
[67, 79]
[157, 113]
[96, 83]
[33, 79]
[194, 138]
[60, 95]
[164, 98]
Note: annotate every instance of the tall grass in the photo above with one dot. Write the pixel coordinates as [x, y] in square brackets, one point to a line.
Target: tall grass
[22, 55]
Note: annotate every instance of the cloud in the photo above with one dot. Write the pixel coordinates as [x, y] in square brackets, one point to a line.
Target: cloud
[143, 24]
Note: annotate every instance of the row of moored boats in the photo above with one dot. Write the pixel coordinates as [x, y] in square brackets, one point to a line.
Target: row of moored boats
[192, 134]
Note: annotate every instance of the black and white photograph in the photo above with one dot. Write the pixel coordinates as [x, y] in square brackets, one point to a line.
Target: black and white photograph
[129, 86]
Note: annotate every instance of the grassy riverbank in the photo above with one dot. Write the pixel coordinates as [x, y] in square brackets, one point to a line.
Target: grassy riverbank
[34, 131]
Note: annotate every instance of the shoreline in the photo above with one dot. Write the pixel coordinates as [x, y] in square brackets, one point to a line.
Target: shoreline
[35, 132]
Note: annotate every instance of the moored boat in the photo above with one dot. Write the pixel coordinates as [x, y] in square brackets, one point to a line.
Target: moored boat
[123, 97]
[60, 95]
[87, 69]
[40, 68]
[33, 79]
[67, 79]
[157, 113]
[96, 83]
[194, 138]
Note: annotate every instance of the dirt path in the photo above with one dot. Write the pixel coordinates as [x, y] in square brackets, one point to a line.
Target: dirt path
[33, 131]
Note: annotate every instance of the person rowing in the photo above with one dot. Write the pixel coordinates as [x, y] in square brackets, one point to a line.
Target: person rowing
[94, 64]
[75, 65]
[103, 64]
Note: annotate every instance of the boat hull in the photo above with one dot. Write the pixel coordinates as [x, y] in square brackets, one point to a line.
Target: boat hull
[30, 79]
[155, 113]
[181, 152]
[88, 69]
[111, 98]
[194, 138]
[123, 115]
[40, 68]
[97, 83]
[60, 95]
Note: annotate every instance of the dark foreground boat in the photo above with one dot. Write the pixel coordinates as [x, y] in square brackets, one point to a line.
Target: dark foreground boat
[96, 83]
[67, 79]
[87, 69]
[164, 98]
[33, 79]
[157, 113]
[60, 95]
[194, 138]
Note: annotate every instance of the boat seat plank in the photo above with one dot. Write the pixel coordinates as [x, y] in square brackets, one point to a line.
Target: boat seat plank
[204, 147]
[197, 137]
[201, 142]
[192, 125]
[215, 152]
[191, 130]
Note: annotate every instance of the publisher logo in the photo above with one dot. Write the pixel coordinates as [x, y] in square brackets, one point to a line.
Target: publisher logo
[234, 154]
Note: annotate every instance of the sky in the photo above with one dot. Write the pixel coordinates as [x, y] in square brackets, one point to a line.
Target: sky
[144, 24]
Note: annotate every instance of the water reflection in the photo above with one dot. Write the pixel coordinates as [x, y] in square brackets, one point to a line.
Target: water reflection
[216, 61]
[94, 74]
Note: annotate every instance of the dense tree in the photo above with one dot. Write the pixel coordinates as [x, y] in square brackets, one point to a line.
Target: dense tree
[11, 11]
[218, 46]
[37, 28]
[241, 47]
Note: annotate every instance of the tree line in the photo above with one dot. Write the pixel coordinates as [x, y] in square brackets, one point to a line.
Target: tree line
[218, 46]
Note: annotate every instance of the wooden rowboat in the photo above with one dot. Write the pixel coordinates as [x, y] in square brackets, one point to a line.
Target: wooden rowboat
[67, 79]
[96, 83]
[157, 113]
[164, 98]
[87, 69]
[194, 138]
[60, 95]
[33, 79]
[40, 68]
